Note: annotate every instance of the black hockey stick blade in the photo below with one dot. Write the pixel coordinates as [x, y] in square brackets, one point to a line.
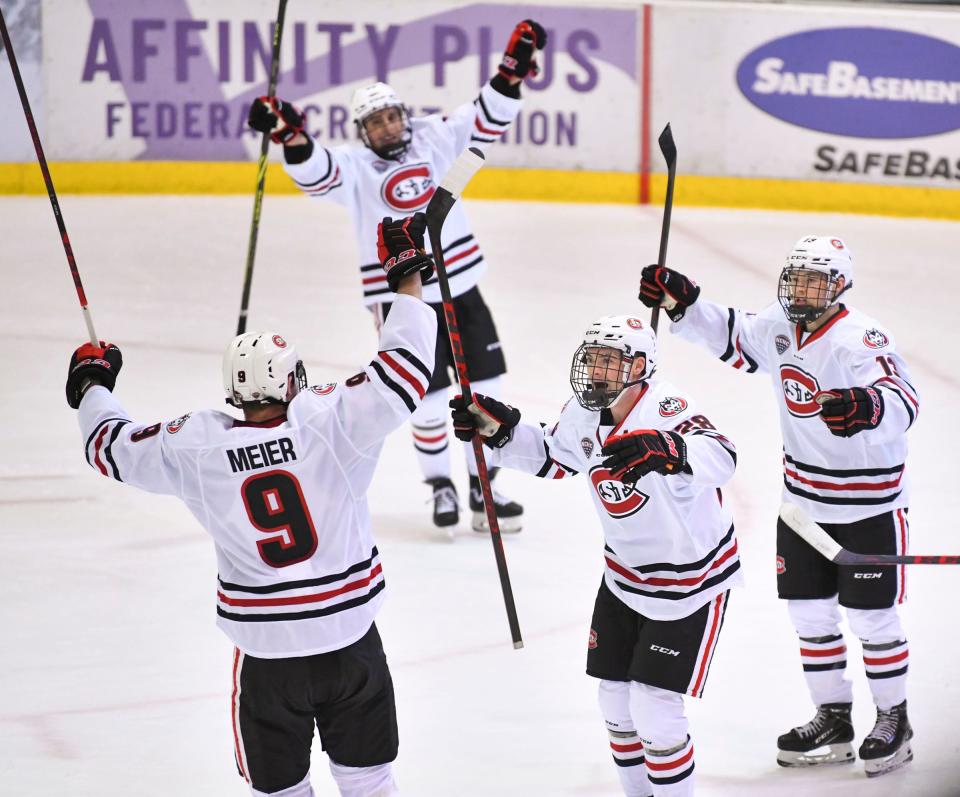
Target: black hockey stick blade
[823, 543]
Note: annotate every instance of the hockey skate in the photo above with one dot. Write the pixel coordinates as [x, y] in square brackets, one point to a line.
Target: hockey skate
[446, 506]
[824, 740]
[887, 746]
[509, 513]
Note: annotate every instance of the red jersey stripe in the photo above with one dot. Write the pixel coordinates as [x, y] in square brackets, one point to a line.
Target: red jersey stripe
[827, 652]
[96, 448]
[714, 628]
[657, 581]
[670, 764]
[886, 659]
[317, 597]
[414, 382]
[846, 486]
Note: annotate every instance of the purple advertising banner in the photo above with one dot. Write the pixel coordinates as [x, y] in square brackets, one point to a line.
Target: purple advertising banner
[187, 80]
[864, 82]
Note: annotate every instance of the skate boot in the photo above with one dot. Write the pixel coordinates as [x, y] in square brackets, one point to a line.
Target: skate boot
[887, 746]
[509, 513]
[824, 740]
[446, 507]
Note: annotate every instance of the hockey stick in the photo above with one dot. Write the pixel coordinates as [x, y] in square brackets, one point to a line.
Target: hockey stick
[261, 175]
[51, 192]
[824, 544]
[452, 185]
[669, 150]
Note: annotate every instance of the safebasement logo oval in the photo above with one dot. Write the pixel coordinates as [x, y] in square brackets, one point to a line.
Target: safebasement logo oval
[863, 82]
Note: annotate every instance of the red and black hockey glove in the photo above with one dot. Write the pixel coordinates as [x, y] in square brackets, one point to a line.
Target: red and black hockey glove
[91, 364]
[519, 59]
[633, 455]
[493, 419]
[281, 119]
[400, 249]
[657, 283]
[849, 410]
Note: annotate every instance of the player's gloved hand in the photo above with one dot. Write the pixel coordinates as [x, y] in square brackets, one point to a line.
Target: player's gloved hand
[281, 119]
[849, 410]
[633, 455]
[493, 419]
[520, 57]
[91, 364]
[400, 249]
[668, 289]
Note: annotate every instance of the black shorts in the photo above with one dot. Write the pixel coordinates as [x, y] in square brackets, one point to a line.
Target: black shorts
[478, 333]
[804, 574]
[671, 654]
[347, 693]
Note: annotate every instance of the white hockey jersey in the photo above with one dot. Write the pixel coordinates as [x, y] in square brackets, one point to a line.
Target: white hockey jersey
[371, 188]
[285, 501]
[670, 543]
[833, 479]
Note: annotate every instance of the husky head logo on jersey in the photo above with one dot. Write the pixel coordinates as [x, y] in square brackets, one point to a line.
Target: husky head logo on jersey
[818, 270]
[799, 391]
[177, 423]
[408, 188]
[617, 352]
[382, 120]
[619, 499]
[672, 405]
[875, 339]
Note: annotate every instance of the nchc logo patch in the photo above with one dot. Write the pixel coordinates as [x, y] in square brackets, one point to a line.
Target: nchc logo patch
[782, 342]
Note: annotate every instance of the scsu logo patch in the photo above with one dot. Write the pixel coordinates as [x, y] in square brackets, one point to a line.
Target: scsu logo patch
[634, 323]
[619, 499]
[781, 565]
[672, 405]
[782, 342]
[177, 424]
[409, 187]
[875, 339]
[324, 390]
[799, 389]
[279, 342]
[592, 641]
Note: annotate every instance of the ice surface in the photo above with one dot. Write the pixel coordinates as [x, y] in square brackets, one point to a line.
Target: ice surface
[114, 680]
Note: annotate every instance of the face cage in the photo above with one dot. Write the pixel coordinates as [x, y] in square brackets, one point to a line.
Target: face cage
[393, 151]
[816, 303]
[589, 394]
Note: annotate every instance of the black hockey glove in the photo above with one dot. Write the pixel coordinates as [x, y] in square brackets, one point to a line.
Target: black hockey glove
[91, 364]
[633, 455]
[281, 119]
[400, 249]
[669, 289]
[519, 59]
[493, 419]
[849, 410]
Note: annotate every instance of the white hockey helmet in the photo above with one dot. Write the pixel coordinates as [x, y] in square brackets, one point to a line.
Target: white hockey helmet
[368, 100]
[261, 368]
[824, 254]
[628, 335]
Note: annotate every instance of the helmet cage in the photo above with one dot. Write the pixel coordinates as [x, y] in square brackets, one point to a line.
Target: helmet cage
[387, 151]
[817, 300]
[595, 393]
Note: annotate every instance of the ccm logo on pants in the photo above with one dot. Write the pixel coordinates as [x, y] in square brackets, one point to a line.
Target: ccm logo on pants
[867, 575]
[658, 649]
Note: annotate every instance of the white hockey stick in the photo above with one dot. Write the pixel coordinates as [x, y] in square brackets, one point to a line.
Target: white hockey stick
[824, 544]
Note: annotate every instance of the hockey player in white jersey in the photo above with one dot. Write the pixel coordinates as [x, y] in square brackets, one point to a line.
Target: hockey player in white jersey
[397, 171]
[654, 465]
[846, 402]
[283, 494]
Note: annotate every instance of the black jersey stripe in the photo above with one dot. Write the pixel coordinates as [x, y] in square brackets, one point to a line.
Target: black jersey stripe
[728, 352]
[845, 473]
[442, 448]
[834, 665]
[308, 582]
[725, 444]
[888, 674]
[677, 596]
[628, 762]
[93, 435]
[458, 242]
[414, 361]
[393, 385]
[698, 565]
[456, 271]
[307, 186]
[899, 393]
[826, 499]
[108, 452]
[673, 778]
[324, 612]
[487, 116]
